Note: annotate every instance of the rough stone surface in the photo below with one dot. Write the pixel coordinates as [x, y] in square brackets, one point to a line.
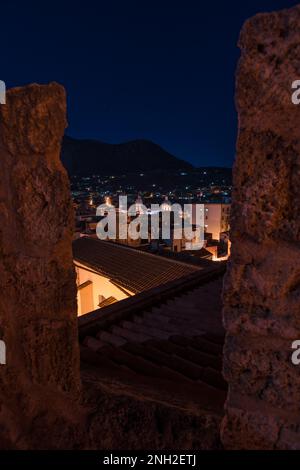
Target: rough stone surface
[128, 417]
[38, 302]
[262, 285]
[42, 404]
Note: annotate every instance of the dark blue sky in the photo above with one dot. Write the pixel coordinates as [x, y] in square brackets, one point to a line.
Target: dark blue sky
[160, 70]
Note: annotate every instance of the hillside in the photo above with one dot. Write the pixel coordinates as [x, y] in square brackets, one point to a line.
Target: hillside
[85, 157]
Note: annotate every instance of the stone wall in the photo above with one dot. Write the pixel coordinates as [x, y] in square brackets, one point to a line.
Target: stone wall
[38, 292]
[262, 285]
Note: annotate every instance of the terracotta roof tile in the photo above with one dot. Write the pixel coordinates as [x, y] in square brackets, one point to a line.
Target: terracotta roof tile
[175, 344]
[129, 268]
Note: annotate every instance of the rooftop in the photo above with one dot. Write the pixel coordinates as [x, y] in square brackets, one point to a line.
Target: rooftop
[127, 267]
[163, 346]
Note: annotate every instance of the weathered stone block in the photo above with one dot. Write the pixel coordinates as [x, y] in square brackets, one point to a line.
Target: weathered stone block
[262, 285]
[38, 292]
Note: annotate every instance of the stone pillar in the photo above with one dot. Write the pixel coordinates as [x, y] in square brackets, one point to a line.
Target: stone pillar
[38, 291]
[262, 285]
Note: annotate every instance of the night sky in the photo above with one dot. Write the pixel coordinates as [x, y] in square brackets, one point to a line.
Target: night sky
[162, 71]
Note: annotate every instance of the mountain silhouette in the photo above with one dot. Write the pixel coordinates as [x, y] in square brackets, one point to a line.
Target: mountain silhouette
[86, 157]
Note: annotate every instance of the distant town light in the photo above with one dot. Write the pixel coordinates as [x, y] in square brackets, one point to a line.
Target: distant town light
[166, 205]
[139, 206]
[138, 228]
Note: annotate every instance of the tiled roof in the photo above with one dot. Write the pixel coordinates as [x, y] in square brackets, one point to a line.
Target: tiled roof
[129, 268]
[173, 349]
